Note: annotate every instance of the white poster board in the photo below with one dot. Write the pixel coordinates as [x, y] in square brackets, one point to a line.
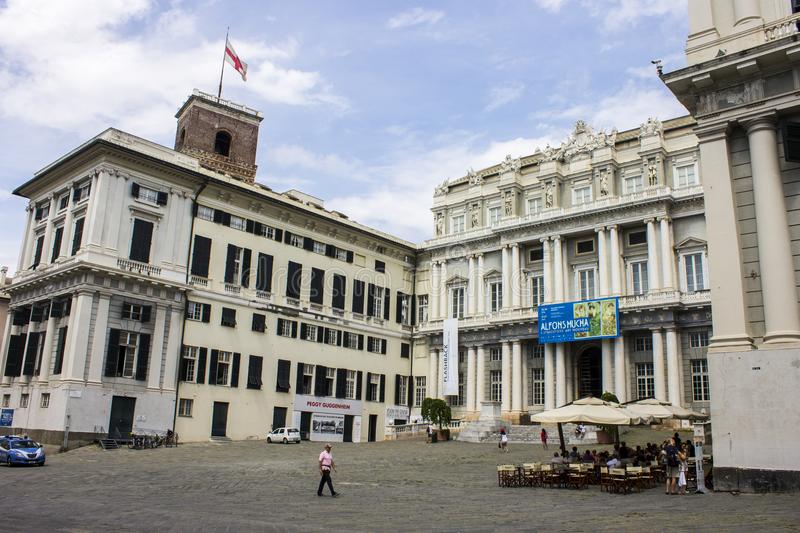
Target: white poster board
[327, 427]
[450, 357]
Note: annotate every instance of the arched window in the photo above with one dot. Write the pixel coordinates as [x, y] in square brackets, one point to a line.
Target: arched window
[222, 143]
[182, 138]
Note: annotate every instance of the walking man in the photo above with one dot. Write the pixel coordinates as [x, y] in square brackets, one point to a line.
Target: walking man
[325, 465]
[543, 436]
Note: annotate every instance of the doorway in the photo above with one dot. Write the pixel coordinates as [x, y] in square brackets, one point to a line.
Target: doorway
[120, 424]
[590, 373]
[278, 417]
[219, 419]
[305, 425]
[348, 428]
[373, 428]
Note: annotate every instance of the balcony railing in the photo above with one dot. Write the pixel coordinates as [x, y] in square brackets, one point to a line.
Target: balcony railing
[136, 266]
[781, 28]
[230, 288]
[199, 281]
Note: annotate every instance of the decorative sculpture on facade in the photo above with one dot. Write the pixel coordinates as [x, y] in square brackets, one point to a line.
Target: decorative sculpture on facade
[651, 127]
[652, 173]
[604, 182]
[441, 189]
[474, 178]
[510, 164]
[439, 221]
[474, 217]
[509, 205]
[582, 141]
[548, 195]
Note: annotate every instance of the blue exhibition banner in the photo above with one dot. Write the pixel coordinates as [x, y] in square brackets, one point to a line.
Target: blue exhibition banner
[579, 321]
[6, 417]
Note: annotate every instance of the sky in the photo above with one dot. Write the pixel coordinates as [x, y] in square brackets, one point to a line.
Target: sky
[367, 105]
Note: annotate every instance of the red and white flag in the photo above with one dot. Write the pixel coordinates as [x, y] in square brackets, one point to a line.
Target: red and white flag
[233, 60]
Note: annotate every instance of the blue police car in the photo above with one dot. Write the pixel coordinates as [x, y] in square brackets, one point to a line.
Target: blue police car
[16, 450]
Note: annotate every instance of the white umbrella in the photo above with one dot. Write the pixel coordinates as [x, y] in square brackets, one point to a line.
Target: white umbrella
[654, 408]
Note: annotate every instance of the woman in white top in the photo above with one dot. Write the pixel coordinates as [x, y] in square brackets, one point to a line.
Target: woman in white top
[503, 440]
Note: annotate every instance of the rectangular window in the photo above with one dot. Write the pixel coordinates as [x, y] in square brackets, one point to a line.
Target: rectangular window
[380, 266]
[294, 280]
[635, 238]
[537, 290]
[131, 311]
[286, 328]
[254, 369]
[639, 283]
[23, 401]
[685, 176]
[581, 195]
[282, 377]
[238, 223]
[6, 400]
[338, 291]
[496, 385]
[259, 322]
[458, 224]
[228, 317]
[37, 251]
[317, 289]
[534, 205]
[205, 213]
[643, 344]
[419, 390]
[351, 340]
[584, 247]
[402, 390]
[536, 254]
[373, 386]
[319, 248]
[341, 255]
[141, 240]
[494, 215]
[266, 231]
[310, 333]
[422, 308]
[374, 345]
[586, 284]
[350, 385]
[57, 238]
[194, 310]
[694, 272]
[307, 380]
[536, 387]
[633, 184]
[44, 400]
[128, 344]
[377, 302]
[537, 351]
[223, 368]
[63, 202]
[331, 337]
[457, 297]
[296, 240]
[185, 407]
[404, 303]
[189, 370]
[645, 381]
[147, 195]
[698, 339]
[81, 192]
[77, 236]
[495, 354]
[330, 377]
[495, 296]
[700, 385]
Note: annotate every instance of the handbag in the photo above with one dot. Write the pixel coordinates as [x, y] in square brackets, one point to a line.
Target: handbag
[682, 479]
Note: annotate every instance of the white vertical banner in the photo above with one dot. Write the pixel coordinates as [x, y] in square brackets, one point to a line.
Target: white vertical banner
[450, 357]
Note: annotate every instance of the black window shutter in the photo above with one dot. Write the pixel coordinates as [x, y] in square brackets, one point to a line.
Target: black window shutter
[218, 216]
[62, 344]
[371, 300]
[28, 366]
[287, 237]
[360, 341]
[254, 368]
[341, 382]
[369, 384]
[264, 273]
[235, 370]
[76, 193]
[226, 219]
[298, 387]
[405, 349]
[387, 301]
[258, 228]
[339, 284]
[16, 345]
[303, 330]
[143, 357]
[135, 190]
[77, 236]
[246, 258]
[141, 241]
[37, 254]
[259, 322]
[206, 313]
[330, 250]
[294, 278]
[339, 337]
[294, 329]
[146, 311]
[282, 384]
[380, 266]
[397, 378]
[349, 256]
[201, 255]
[57, 243]
[320, 374]
[201, 365]
[383, 346]
[399, 307]
[382, 397]
[249, 226]
[113, 353]
[320, 334]
[317, 286]
[358, 297]
[233, 251]
[308, 244]
[359, 375]
[162, 198]
[212, 367]
[184, 367]
[278, 235]
[413, 309]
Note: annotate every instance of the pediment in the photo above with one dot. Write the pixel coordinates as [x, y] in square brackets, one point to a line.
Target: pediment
[456, 279]
[492, 273]
[691, 242]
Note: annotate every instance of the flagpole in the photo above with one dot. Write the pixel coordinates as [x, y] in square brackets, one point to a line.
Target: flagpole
[224, 55]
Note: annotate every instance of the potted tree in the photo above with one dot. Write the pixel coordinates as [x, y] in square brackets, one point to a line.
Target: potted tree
[608, 434]
[437, 412]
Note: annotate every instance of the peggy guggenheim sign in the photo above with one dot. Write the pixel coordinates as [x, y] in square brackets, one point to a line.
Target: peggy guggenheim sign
[579, 321]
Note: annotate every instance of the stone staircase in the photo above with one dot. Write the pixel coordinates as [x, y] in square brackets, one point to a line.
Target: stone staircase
[220, 440]
[531, 434]
[109, 444]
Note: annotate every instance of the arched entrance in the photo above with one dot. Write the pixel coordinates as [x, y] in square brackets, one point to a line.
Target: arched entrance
[590, 373]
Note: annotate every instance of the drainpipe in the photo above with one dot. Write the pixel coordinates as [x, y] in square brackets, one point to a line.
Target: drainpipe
[183, 322]
[412, 305]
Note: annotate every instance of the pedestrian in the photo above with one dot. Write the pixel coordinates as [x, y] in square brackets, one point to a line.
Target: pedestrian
[673, 462]
[683, 469]
[543, 436]
[326, 463]
[430, 433]
[503, 440]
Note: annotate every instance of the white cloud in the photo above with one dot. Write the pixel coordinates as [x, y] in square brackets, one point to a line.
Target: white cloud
[550, 5]
[81, 58]
[295, 157]
[414, 17]
[620, 14]
[501, 95]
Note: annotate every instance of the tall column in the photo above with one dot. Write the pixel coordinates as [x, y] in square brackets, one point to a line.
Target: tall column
[667, 254]
[781, 312]
[615, 258]
[549, 376]
[480, 288]
[547, 274]
[516, 376]
[516, 271]
[620, 370]
[66, 237]
[78, 341]
[173, 350]
[558, 270]
[658, 365]
[565, 276]
[569, 365]
[561, 375]
[23, 262]
[726, 272]
[505, 404]
[443, 303]
[157, 349]
[47, 350]
[98, 353]
[47, 248]
[607, 363]
[480, 377]
[433, 373]
[673, 369]
[471, 404]
[434, 296]
[506, 271]
[602, 261]
[525, 383]
[96, 211]
[471, 293]
[653, 267]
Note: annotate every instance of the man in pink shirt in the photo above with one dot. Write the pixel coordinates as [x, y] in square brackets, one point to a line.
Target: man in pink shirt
[325, 465]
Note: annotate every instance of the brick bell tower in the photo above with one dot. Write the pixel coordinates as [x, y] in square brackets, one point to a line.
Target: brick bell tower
[221, 134]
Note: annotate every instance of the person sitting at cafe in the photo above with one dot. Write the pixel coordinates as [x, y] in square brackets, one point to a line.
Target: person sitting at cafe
[587, 457]
[614, 462]
[624, 451]
[556, 460]
[574, 455]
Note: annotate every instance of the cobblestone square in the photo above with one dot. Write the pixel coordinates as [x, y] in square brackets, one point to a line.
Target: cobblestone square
[411, 485]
